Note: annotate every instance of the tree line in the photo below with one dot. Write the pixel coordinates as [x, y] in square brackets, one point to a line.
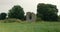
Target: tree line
[46, 12]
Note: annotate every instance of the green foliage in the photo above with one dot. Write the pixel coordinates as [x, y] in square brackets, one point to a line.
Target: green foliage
[3, 16]
[10, 21]
[47, 12]
[16, 12]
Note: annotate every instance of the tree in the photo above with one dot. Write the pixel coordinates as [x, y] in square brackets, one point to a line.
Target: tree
[47, 12]
[16, 12]
[3, 16]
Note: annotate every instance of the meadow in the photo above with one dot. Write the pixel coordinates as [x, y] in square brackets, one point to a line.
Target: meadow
[30, 27]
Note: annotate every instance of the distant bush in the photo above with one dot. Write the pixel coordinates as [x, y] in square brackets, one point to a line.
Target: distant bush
[3, 16]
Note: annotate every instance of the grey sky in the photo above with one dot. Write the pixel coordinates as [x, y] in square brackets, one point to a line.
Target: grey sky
[28, 5]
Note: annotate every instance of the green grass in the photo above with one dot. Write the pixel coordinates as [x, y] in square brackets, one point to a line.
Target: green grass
[30, 27]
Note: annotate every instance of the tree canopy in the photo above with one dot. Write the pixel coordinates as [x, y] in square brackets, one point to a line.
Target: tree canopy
[47, 12]
[16, 12]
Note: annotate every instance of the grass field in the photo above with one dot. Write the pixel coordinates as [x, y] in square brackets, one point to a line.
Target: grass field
[30, 27]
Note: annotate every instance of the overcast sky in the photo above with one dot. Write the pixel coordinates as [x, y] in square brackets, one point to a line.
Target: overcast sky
[28, 5]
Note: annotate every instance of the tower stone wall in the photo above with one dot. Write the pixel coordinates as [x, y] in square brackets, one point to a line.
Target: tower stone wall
[30, 17]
